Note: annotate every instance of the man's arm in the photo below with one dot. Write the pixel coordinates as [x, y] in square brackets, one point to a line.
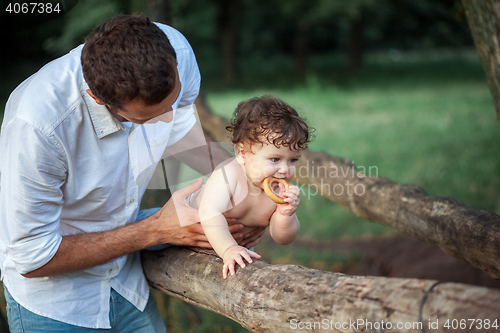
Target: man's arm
[77, 252]
[198, 150]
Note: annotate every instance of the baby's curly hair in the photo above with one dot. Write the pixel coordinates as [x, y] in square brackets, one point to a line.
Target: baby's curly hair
[268, 118]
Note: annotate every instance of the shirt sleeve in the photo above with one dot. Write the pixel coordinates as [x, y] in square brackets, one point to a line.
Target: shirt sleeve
[33, 173]
[185, 120]
[191, 77]
[187, 65]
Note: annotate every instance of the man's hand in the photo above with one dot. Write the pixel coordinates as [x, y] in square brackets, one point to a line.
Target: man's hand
[252, 238]
[177, 213]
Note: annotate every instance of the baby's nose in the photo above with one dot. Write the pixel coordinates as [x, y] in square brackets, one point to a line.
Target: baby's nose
[283, 169]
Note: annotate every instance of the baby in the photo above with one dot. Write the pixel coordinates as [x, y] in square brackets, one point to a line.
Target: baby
[268, 137]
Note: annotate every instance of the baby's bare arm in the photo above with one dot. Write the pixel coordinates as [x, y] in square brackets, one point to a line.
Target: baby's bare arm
[214, 201]
[284, 225]
[284, 229]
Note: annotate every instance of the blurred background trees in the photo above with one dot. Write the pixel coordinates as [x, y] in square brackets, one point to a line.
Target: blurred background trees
[391, 84]
[227, 33]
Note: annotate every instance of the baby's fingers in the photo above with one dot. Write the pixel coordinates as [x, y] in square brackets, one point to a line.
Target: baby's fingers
[228, 265]
[295, 197]
[240, 261]
[253, 254]
[293, 200]
[248, 256]
[294, 189]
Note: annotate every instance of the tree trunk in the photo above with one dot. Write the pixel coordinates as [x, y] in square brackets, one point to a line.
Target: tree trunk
[460, 231]
[356, 45]
[484, 21]
[281, 298]
[300, 48]
[157, 10]
[227, 23]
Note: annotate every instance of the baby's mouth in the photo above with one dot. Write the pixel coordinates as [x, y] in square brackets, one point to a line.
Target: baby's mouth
[276, 188]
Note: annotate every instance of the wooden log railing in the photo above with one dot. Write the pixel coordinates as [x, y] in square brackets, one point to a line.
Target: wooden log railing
[286, 298]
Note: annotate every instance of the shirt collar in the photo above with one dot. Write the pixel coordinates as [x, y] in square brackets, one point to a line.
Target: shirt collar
[103, 121]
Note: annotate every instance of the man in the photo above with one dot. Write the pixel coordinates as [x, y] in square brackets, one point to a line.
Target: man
[69, 196]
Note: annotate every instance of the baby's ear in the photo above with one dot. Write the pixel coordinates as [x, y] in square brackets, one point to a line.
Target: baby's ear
[239, 151]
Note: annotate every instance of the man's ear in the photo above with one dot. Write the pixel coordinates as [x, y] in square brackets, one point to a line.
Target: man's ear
[96, 99]
[239, 151]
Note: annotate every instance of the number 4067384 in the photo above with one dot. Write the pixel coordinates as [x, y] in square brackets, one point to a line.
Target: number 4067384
[33, 8]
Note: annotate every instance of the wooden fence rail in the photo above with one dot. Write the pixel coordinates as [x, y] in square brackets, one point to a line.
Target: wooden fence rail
[285, 298]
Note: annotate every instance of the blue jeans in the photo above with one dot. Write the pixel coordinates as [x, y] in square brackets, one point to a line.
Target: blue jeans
[124, 317]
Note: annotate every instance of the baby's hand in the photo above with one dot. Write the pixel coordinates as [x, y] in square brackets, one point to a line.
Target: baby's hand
[292, 200]
[235, 254]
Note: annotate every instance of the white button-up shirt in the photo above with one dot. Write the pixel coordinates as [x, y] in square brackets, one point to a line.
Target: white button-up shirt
[65, 169]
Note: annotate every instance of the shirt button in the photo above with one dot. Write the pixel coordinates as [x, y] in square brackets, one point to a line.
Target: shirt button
[131, 200]
[133, 167]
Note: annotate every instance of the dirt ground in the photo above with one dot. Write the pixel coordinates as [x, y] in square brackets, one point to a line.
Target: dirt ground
[405, 258]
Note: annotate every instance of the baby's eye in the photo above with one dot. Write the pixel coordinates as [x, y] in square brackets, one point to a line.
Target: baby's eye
[275, 160]
[294, 160]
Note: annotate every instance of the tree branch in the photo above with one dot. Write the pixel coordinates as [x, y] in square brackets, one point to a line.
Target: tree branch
[483, 17]
[273, 298]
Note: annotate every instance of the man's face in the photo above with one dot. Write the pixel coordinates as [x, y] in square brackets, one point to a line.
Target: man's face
[137, 112]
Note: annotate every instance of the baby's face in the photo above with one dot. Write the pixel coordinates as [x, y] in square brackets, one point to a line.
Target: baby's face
[270, 161]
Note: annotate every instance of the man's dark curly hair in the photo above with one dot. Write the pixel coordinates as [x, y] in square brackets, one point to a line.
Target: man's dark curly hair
[268, 119]
[129, 57]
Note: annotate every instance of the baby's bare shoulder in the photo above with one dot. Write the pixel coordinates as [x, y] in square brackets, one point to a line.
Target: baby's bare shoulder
[222, 183]
[229, 165]
[231, 171]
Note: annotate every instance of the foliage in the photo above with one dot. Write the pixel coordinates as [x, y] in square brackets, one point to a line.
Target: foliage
[266, 29]
[79, 22]
[320, 10]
